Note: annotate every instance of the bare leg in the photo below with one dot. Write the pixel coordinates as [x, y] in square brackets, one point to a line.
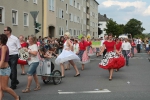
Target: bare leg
[62, 69]
[23, 70]
[111, 73]
[82, 67]
[36, 80]
[7, 89]
[1, 92]
[75, 67]
[29, 81]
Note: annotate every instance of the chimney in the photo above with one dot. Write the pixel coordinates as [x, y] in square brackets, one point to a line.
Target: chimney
[105, 16]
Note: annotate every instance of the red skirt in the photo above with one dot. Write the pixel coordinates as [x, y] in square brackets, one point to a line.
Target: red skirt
[112, 61]
[22, 62]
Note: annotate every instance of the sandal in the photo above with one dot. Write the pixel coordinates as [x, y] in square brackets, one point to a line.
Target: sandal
[27, 90]
[37, 88]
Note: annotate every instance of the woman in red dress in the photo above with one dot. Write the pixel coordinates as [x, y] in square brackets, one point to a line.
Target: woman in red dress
[118, 47]
[112, 59]
[20, 61]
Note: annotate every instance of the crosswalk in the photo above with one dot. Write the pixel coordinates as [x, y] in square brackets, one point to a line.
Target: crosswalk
[129, 58]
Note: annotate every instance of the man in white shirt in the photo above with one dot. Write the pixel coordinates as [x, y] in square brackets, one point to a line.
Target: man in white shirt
[126, 50]
[13, 45]
[138, 42]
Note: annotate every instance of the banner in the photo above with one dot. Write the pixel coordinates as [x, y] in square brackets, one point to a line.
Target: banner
[96, 44]
[23, 54]
[80, 36]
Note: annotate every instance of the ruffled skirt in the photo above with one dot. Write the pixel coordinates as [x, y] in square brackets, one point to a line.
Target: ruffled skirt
[85, 58]
[65, 56]
[90, 51]
[112, 61]
[22, 62]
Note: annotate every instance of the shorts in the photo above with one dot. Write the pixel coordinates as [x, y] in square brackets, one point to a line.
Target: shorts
[147, 48]
[32, 68]
[5, 72]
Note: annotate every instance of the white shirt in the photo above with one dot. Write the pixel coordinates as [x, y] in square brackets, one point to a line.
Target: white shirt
[13, 45]
[147, 45]
[75, 48]
[138, 41]
[126, 46]
[33, 57]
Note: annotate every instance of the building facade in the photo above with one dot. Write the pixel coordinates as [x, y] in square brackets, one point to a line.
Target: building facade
[75, 16]
[102, 21]
[16, 14]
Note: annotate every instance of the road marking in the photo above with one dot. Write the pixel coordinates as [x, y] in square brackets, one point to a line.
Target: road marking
[85, 92]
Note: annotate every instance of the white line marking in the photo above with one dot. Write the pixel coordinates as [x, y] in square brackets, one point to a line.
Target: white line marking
[81, 92]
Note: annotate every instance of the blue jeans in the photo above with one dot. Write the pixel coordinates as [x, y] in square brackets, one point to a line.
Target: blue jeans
[32, 68]
[125, 54]
[5, 71]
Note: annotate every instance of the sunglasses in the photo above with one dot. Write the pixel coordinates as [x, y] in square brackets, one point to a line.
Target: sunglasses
[5, 30]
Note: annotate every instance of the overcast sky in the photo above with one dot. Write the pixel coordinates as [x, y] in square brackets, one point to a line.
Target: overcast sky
[122, 11]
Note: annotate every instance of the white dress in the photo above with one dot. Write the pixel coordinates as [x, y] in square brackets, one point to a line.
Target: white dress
[66, 55]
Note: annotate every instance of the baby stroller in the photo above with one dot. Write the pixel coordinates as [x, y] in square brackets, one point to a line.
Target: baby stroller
[46, 70]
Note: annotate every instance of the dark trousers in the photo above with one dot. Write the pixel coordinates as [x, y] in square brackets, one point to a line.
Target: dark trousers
[13, 59]
[125, 54]
[81, 54]
[138, 48]
[104, 52]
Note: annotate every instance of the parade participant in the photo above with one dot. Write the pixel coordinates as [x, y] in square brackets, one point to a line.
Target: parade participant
[138, 42]
[133, 47]
[83, 55]
[76, 47]
[14, 46]
[126, 50]
[67, 55]
[118, 47]
[61, 42]
[20, 61]
[101, 46]
[33, 62]
[89, 47]
[5, 70]
[112, 59]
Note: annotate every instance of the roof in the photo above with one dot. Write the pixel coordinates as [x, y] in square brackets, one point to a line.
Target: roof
[96, 2]
[102, 17]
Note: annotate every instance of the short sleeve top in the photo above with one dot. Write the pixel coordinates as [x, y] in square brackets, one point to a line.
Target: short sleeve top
[109, 45]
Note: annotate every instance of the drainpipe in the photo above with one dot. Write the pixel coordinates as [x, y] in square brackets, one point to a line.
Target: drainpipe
[42, 17]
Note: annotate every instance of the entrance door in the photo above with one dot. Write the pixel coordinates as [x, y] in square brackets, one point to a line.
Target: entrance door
[51, 31]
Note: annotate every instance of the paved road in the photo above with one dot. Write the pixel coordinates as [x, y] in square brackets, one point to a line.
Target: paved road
[130, 83]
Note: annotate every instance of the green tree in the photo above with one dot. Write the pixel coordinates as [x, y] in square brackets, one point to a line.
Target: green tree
[114, 28]
[134, 27]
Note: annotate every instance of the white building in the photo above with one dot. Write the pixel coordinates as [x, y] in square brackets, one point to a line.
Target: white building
[102, 21]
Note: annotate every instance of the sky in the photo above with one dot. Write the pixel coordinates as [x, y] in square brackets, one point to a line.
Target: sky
[122, 11]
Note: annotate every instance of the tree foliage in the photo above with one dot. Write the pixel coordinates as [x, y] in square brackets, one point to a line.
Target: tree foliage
[134, 27]
[114, 28]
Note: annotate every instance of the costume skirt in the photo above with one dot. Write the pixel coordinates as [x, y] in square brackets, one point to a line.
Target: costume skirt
[112, 61]
[85, 58]
[65, 56]
[90, 51]
[22, 62]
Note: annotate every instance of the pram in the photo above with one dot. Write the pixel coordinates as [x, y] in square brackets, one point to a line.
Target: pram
[46, 71]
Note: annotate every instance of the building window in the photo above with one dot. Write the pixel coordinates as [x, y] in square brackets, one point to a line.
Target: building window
[61, 31]
[2, 15]
[66, 8]
[26, 19]
[71, 2]
[74, 32]
[71, 17]
[70, 31]
[35, 1]
[74, 3]
[78, 6]
[66, 24]
[51, 5]
[61, 13]
[26, 0]
[78, 19]
[14, 17]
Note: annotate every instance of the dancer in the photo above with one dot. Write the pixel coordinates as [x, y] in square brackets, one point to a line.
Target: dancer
[83, 54]
[67, 55]
[20, 61]
[112, 59]
[5, 70]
